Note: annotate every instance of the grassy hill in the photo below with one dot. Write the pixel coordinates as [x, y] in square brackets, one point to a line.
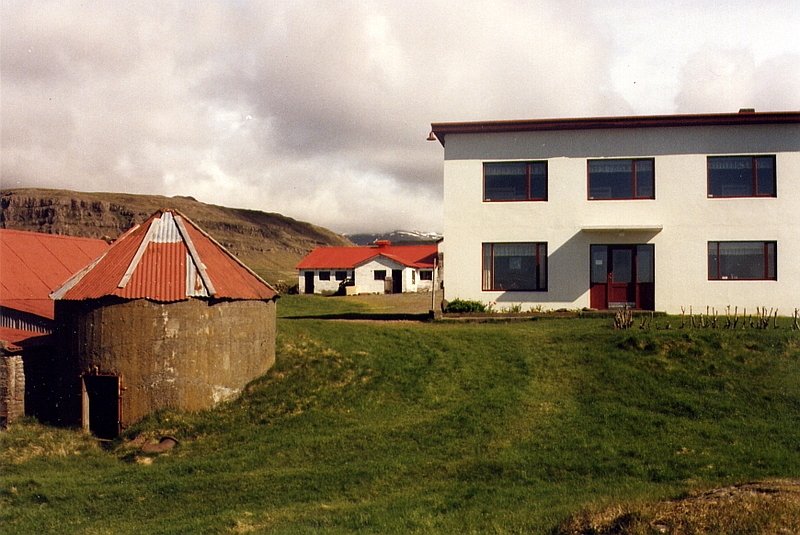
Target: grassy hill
[270, 244]
[404, 427]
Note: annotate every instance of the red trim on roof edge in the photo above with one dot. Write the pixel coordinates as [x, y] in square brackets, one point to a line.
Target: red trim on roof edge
[441, 130]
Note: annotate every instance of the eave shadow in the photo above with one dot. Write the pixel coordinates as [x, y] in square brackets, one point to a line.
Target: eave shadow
[363, 316]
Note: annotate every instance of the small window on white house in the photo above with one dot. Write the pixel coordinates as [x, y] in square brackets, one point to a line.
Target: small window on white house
[324, 275]
[379, 274]
[341, 275]
[426, 275]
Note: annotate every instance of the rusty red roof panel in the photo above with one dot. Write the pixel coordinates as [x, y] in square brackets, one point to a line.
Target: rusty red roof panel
[419, 256]
[19, 339]
[337, 257]
[34, 264]
[167, 258]
[102, 277]
[230, 278]
[161, 274]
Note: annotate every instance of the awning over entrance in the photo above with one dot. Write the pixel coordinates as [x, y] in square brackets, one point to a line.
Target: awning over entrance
[654, 229]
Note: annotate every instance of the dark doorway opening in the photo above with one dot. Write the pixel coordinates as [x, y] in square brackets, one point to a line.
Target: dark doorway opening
[102, 407]
[397, 281]
[622, 276]
[309, 276]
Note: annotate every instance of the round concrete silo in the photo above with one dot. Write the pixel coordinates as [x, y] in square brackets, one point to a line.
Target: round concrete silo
[167, 318]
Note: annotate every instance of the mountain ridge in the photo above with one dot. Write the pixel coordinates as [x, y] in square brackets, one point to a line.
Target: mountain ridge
[269, 243]
[395, 236]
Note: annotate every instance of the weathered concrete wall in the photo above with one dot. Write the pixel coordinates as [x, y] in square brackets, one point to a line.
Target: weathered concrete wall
[12, 389]
[187, 355]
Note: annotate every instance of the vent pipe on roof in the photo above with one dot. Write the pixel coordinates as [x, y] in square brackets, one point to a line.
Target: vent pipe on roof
[382, 243]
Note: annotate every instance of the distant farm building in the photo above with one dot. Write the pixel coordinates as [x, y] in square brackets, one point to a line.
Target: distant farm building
[33, 265]
[379, 268]
[165, 318]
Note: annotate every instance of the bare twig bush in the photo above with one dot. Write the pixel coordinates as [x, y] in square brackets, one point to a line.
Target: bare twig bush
[623, 319]
[763, 318]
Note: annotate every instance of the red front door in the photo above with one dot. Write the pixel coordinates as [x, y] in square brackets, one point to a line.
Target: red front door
[622, 276]
[621, 282]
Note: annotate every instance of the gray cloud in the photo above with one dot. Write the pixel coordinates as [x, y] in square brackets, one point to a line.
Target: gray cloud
[726, 79]
[319, 110]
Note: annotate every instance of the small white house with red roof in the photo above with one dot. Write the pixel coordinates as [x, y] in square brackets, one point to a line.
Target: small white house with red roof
[379, 268]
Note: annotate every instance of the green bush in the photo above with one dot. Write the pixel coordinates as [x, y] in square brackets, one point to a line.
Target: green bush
[465, 305]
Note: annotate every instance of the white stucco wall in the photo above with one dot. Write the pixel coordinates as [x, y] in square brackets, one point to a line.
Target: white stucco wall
[681, 206]
[423, 285]
[365, 278]
[321, 286]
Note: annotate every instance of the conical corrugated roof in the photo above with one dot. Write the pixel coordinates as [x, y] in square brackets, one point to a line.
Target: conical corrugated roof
[167, 258]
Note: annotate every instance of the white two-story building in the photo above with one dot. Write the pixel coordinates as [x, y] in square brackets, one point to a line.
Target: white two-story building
[649, 212]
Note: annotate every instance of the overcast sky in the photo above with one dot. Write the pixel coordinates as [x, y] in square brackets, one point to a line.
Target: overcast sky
[320, 110]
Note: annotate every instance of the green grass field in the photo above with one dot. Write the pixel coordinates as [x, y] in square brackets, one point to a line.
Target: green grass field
[402, 427]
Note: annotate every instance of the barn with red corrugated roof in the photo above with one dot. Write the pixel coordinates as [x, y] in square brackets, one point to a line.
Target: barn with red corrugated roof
[33, 265]
[379, 268]
[166, 318]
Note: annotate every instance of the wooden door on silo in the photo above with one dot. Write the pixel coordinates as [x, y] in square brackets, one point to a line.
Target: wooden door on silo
[102, 405]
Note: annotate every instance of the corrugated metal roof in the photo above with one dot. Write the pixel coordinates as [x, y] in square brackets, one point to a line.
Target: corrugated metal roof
[18, 339]
[418, 256]
[167, 258]
[33, 264]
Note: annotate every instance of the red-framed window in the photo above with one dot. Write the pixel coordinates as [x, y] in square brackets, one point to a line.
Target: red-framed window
[518, 266]
[621, 179]
[741, 176]
[514, 181]
[742, 260]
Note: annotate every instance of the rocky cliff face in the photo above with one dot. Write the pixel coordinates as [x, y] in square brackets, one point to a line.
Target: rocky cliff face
[270, 244]
[37, 211]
